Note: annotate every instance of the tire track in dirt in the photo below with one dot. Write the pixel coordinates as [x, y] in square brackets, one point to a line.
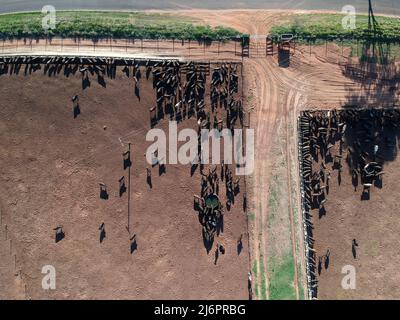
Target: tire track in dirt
[293, 88]
[291, 93]
[266, 115]
[292, 101]
[290, 97]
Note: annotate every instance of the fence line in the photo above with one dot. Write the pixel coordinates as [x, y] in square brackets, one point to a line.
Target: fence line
[165, 47]
[308, 248]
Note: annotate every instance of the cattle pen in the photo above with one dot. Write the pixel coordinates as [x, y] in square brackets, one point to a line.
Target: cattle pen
[95, 107]
[348, 160]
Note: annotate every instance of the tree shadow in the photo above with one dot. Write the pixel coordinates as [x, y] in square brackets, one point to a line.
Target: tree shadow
[377, 77]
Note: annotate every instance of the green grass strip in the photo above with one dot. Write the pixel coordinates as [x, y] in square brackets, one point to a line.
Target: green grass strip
[118, 25]
[329, 26]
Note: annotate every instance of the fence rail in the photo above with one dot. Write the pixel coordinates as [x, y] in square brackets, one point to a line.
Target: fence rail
[162, 47]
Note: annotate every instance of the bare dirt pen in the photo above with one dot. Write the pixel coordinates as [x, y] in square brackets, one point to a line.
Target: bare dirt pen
[52, 164]
[351, 187]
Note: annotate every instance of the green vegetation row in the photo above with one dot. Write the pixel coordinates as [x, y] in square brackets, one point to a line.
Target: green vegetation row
[313, 27]
[118, 25]
[281, 279]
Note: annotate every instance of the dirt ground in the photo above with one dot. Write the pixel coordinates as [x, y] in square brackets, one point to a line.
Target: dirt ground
[52, 164]
[273, 96]
[349, 214]
[375, 226]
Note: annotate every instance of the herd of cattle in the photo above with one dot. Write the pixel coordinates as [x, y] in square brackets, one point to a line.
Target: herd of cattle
[181, 93]
[363, 139]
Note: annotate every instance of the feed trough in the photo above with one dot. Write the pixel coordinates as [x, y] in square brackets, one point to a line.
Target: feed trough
[212, 201]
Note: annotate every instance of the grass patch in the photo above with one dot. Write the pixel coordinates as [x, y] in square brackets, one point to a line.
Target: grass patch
[254, 271]
[273, 200]
[118, 25]
[263, 292]
[301, 293]
[281, 279]
[252, 216]
[329, 26]
[256, 291]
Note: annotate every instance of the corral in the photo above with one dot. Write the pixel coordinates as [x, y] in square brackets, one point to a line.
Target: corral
[349, 174]
[66, 128]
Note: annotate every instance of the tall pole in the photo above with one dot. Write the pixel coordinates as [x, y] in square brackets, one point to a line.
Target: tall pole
[369, 15]
[373, 26]
[372, 23]
[129, 187]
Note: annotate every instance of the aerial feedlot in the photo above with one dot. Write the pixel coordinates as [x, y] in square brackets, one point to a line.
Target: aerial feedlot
[105, 174]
